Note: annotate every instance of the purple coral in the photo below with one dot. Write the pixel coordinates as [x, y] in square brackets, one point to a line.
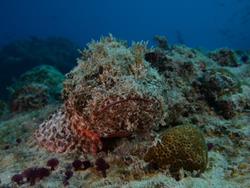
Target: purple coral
[244, 58]
[6, 147]
[53, 163]
[18, 140]
[68, 174]
[34, 173]
[102, 166]
[42, 172]
[77, 164]
[65, 182]
[81, 165]
[17, 178]
[210, 146]
[86, 164]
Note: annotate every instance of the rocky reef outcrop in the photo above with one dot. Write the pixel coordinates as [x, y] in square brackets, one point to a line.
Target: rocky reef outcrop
[36, 88]
[3, 108]
[133, 116]
[20, 56]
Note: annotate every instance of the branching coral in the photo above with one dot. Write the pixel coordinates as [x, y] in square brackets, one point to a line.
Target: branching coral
[112, 92]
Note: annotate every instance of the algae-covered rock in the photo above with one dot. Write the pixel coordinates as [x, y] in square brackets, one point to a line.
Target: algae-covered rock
[218, 82]
[225, 57]
[3, 107]
[20, 56]
[91, 120]
[36, 88]
[32, 96]
[180, 147]
[161, 42]
[217, 85]
[230, 106]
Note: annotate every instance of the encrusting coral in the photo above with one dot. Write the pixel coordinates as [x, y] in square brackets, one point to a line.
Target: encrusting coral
[218, 85]
[225, 57]
[180, 147]
[36, 88]
[32, 96]
[113, 92]
[19, 56]
[3, 107]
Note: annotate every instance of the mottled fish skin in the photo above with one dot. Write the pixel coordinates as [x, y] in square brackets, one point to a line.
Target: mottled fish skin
[112, 92]
[55, 135]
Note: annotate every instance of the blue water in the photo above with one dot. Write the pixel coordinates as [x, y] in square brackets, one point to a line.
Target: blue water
[207, 24]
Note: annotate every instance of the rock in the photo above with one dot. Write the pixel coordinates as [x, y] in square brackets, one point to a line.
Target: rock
[225, 57]
[3, 108]
[218, 82]
[36, 88]
[19, 56]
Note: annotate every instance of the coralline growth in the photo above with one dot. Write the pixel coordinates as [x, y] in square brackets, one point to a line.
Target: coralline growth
[36, 88]
[180, 147]
[118, 91]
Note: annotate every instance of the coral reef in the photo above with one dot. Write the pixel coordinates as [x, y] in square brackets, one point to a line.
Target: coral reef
[17, 178]
[35, 173]
[3, 108]
[216, 83]
[102, 166]
[158, 92]
[26, 54]
[180, 147]
[112, 92]
[224, 92]
[53, 163]
[225, 57]
[77, 165]
[29, 97]
[161, 42]
[36, 88]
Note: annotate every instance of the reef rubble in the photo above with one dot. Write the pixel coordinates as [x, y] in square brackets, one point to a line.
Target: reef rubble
[166, 116]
